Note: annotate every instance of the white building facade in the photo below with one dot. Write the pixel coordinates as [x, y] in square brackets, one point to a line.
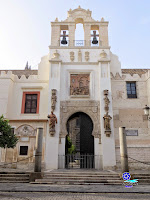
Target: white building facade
[88, 80]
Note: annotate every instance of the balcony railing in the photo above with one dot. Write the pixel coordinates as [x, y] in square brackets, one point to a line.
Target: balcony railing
[80, 43]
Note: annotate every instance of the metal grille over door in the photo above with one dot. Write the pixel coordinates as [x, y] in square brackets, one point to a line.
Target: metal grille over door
[80, 127]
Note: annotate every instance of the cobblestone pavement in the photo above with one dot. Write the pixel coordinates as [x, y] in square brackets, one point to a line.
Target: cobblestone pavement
[70, 196]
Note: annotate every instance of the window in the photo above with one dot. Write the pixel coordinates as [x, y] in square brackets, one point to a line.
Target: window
[12, 130]
[24, 150]
[30, 102]
[131, 90]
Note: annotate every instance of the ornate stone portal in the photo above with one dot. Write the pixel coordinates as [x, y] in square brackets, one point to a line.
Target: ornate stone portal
[91, 108]
[79, 84]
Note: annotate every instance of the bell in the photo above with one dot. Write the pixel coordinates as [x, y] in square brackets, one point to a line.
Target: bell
[95, 41]
[64, 41]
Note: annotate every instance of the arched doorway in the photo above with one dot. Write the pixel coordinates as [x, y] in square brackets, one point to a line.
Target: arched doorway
[79, 147]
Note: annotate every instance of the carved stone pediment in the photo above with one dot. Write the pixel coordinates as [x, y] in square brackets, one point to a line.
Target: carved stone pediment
[79, 15]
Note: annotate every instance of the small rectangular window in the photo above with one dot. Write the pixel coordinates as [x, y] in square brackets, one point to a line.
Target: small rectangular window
[131, 89]
[31, 103]
[24, 150]
[13, 130]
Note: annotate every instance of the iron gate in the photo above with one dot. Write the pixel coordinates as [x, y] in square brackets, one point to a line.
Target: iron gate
[84, 155]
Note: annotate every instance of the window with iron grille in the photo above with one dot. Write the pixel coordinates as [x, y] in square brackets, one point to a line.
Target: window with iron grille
[131, 89]
[24, 150]
[30, 103]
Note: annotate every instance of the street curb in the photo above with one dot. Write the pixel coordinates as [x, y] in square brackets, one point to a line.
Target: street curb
[82, 192]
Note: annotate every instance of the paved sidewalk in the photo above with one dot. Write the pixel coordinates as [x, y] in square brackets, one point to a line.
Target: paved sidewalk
[26, 187]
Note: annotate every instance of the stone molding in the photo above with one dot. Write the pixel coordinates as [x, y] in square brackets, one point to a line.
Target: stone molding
[91, 108]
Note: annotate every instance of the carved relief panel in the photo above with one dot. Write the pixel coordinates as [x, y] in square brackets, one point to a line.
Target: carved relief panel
[79, 84]
[26, 130]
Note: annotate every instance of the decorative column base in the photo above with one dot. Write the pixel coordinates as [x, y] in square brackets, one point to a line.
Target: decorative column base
[107, 132]
[52, 132]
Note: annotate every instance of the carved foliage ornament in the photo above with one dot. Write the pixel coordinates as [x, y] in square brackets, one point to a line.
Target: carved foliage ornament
[52, 117]
[79, 84]
[107, 117]
[103, 54]
[53, 99]
[106, 100]
[87, 56]
[55, 55]
[72, 56]
[79, 56]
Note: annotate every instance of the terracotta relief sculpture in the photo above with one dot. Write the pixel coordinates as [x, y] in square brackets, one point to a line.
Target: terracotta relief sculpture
[53, 99]
[52, 120]
[79, 84]
[107, 117]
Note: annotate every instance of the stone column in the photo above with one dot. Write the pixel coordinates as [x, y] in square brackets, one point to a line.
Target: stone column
[87, 35]
[71, 34]
[123, 150]
[103, 34]
[55, 35]
[38, 153]
[108, 143]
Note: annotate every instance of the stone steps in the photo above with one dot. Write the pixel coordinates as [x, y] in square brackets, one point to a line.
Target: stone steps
[79, 178]
[76, 182]
[10, 177]
[87, 178]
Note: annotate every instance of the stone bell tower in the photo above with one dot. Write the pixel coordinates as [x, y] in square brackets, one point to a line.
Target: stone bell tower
[79, 81]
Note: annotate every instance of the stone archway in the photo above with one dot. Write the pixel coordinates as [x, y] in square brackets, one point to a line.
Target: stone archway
[79, 145]
[80, 127]
[91, 108]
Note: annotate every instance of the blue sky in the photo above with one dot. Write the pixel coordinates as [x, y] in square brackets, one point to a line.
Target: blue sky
[25, 29]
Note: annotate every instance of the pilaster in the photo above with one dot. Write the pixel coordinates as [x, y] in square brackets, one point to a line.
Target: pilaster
[55, 35]
[108, 143]
[87, 34]
[71, 34]
[52, 142]
[103, 35]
